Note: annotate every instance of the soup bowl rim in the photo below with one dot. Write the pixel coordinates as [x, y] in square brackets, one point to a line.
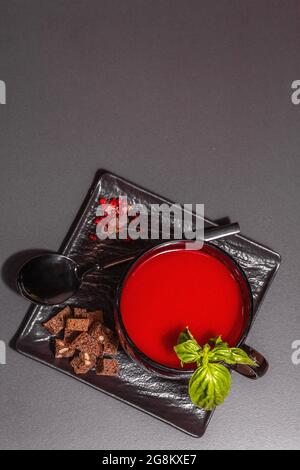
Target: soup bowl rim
[137, 354]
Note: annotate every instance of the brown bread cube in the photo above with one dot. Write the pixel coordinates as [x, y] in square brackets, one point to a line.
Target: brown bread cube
[80, 312]
[62, 349]
[111, 346]
[57, 323]
[97, 331]
[105, 336]
[86, 343]
[70, 335]
[97, 315]
[89, 359]
[83, 363]
[77, 324]
[107, 367]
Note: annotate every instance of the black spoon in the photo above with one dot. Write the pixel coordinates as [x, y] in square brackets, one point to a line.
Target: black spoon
[53, 278]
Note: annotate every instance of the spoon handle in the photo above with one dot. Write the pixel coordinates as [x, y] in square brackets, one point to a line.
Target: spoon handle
[212, 233]
[118, 261]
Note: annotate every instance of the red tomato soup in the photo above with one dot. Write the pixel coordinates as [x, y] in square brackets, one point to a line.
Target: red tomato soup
[175, 288]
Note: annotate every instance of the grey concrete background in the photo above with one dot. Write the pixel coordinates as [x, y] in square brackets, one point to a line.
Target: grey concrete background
[192, 100]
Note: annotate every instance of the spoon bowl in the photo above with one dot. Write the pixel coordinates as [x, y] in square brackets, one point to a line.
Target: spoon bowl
[49, 279]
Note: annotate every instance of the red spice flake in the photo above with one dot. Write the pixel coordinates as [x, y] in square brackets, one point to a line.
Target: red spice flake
[102, 200]
[97, 220]
[93, 237]
[114, 202]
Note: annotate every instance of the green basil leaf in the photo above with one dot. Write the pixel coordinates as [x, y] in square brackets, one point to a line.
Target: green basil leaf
[218, 342]
[220, 351]
[186, 335]
[209, 385]
[188, 351]
[221, 355]
[241, 357]
[211, 381]
[230, 356]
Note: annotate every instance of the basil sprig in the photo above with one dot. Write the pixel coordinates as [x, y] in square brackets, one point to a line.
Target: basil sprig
[210, 383]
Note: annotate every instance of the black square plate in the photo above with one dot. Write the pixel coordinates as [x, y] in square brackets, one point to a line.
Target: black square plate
[161, 398]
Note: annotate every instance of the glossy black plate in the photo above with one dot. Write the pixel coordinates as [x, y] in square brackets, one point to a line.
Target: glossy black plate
[165, 399]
